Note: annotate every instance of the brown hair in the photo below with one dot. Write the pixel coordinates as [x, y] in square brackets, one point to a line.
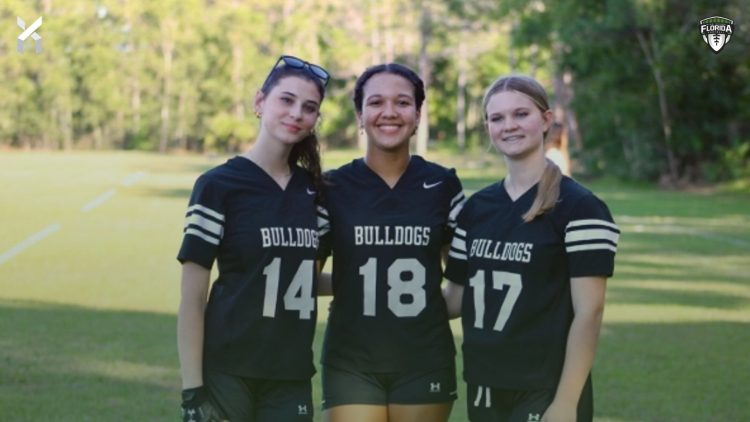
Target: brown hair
[306, 152]
[548, 190]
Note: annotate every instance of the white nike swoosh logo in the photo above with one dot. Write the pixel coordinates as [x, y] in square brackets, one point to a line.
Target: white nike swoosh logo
[430, 186]
[310, 192]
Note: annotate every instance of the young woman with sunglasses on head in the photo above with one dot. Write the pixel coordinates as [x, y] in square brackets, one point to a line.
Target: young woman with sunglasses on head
[388, 354]
[534, 252]
[246, 354]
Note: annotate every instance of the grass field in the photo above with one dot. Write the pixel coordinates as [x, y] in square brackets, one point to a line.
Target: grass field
[87, 306]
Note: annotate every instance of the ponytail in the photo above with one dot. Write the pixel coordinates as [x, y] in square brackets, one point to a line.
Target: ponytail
[547, 193]
[306, 153]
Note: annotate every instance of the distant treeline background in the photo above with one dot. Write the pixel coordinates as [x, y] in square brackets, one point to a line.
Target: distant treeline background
[637, 91]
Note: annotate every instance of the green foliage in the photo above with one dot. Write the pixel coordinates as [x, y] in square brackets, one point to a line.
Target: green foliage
[649, 97]
[626, 57]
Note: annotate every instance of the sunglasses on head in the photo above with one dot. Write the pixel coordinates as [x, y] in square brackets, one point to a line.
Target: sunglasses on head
[297, 63]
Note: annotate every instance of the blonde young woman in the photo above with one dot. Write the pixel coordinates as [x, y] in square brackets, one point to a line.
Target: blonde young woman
[246, 354]
[528, 267]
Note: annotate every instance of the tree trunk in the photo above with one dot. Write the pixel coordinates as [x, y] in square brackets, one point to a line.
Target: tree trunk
[239, 91]
[390, 48]
[425, 29]
[375, 31]
[461, 93]
[180, 130]
[650, 50]
[167, 54]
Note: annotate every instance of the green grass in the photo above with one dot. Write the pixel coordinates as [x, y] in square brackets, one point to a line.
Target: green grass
[87, 315]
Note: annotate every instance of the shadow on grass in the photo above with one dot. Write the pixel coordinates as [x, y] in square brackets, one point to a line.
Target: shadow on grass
[62, 362]
[673, 372]
[624, 294]
[69, 363]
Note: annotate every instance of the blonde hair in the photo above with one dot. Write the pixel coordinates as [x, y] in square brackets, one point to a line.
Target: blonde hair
[549, 185]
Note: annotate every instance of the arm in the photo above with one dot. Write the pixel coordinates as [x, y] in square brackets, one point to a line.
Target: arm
[453, 294]
[588, 304]
[325, 283]
[194, 290]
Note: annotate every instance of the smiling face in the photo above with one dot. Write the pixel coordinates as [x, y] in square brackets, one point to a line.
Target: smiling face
[289, 110]
[516, 125]
[389, 113]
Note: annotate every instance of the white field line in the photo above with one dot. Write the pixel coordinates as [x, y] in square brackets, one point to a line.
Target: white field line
[99, 200]
[31, 240]
[133, 178]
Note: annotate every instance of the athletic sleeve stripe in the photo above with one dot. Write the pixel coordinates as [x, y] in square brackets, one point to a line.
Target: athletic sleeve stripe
[457, 255]
[208, 238]
[592, 222]
[205, 224]
[208, 211]
[591, 235]
[459, 196]
[456, 209]
[459, 244]
[460, 232]
[324, 223]
[592, 247]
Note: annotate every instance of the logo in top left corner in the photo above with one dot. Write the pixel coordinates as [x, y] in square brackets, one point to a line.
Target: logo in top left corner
[29, 32]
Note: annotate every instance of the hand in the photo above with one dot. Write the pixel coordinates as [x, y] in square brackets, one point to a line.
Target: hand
[560, 411]
[197, 408]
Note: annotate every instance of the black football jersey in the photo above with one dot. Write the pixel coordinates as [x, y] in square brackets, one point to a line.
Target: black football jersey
[517, 305]
[261, 313]
[388, 313]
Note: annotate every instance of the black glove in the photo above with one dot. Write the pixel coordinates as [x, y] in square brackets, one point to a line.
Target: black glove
[197, 408]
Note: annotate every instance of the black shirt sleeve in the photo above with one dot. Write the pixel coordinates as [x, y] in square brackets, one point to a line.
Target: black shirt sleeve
[591, 238]
[204, 224]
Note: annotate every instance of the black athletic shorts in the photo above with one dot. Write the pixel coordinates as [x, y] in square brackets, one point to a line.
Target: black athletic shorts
[260, 400]
[343, 386]
[488, 404]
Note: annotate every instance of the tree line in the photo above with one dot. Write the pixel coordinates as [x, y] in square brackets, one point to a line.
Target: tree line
[635, 89]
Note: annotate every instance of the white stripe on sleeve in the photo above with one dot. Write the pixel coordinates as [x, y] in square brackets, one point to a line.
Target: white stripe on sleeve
[457, 255]
[208, 211]
[457, 198]
[591, 222]
[459, 244]
[204, 236]
[592, 247]
[591, 235]
[204, 223]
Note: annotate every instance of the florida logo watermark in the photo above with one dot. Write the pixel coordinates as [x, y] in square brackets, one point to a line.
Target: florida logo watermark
[716, 32]
[29, 32]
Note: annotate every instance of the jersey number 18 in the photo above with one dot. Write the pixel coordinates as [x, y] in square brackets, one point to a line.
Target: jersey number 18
[398, 286]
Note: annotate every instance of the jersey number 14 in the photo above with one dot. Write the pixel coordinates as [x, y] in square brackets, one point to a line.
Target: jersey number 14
[299, 294]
